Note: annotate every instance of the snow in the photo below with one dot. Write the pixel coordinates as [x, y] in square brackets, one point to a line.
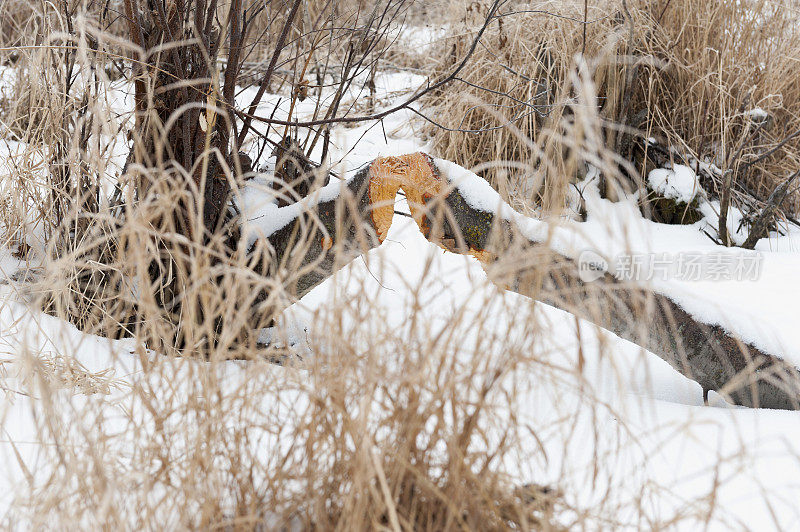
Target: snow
[658, 441]
[757, 114]
[661, 443]
[678, 183]
[422, 39]
[610, 424]
[762, 311]
[476, 191]
[710, 211]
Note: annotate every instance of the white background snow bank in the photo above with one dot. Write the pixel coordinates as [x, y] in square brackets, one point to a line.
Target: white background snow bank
[658, 443]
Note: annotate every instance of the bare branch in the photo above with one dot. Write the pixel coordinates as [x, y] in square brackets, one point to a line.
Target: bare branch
[760, 227]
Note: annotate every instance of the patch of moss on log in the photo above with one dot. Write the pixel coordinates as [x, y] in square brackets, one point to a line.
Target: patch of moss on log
[671, 211]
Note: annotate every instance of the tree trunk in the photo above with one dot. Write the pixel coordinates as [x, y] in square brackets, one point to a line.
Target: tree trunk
[358, 218]
[185, 144]
[180, 120]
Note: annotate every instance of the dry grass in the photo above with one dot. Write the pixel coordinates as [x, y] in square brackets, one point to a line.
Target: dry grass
[383, 427]
[686, 72]
[349, 439]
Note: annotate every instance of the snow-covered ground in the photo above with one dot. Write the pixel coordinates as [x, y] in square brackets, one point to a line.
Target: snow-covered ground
[665, 450]
[626, 432]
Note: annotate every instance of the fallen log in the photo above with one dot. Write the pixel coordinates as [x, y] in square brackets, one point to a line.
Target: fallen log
[320, 234]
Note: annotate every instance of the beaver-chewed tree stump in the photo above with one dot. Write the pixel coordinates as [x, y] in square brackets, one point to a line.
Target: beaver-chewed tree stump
[325, 231]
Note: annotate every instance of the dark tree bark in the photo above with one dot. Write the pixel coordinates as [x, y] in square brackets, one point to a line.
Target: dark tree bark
[322, 238]
[185, 147]
[181, 115]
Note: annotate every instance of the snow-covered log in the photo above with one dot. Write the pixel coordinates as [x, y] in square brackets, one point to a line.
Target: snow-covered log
[304, 243]
[310, 240]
